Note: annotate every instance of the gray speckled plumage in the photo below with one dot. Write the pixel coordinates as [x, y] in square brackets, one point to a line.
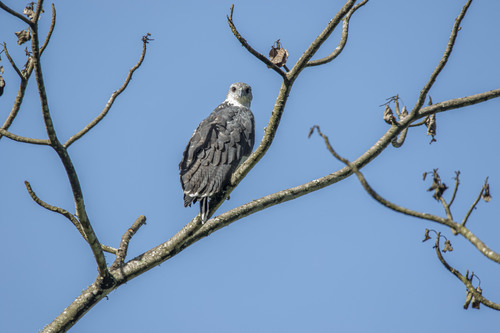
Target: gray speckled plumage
[216, 148]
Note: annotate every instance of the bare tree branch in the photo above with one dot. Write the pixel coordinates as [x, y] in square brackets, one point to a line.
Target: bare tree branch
[457, 103]
[443, 61]
[24, 139]
[455, 189]
[474, 204]
[13, 64]
[250, 49]
[114, 95]
[464, 279]
[64, 213]
[323, 36]
[51, 30]
[127, 236]
[343, 38]
[430, 217]
[16, 14]
[193, 231]
[66, 160]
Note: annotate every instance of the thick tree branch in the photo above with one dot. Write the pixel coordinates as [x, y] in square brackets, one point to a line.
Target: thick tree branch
[343, 38]
[65, 159]
[464, 279]
[114, 95]
[193, 231]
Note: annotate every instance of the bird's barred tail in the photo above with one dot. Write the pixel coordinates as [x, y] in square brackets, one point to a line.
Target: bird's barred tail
[204, 208]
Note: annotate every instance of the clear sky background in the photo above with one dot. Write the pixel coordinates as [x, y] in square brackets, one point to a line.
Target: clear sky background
[332, 261]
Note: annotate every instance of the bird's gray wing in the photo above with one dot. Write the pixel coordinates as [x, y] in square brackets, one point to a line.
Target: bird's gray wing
[213, 153]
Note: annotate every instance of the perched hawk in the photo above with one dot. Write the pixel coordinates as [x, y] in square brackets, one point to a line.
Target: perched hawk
[219, 144]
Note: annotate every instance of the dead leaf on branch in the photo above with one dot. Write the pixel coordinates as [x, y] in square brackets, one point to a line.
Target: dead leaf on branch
[486, 193]
[2, 85]
[430, 122]
[475, 301]
[278, 55]
[23, 36]
[438, 186]
[389, 116]
[427, 237]
[447, 246]
[30, 10]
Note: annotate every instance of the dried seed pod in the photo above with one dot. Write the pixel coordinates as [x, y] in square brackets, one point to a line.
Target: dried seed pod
[389, 116]
[278, 55]
[2, 85]
[447, 246]
[404, 113]
[437, 186]
[486, 193]
[427, 237]
[475, 302]
[23, 36]
[430, 122]
[29, 10]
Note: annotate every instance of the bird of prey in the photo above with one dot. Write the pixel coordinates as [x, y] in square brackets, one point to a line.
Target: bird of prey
[220, 143]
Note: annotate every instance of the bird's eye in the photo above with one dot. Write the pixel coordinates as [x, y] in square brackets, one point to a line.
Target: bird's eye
[247, 90]
[233, 89]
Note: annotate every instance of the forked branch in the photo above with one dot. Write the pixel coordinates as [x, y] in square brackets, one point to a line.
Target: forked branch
[470, 288]
[250, 49]
[343, 38]
[72, 218]
[127, 236]
[16, 14]
[459, 229]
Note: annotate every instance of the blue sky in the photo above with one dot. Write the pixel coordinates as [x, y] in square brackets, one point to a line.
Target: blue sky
[334, 260]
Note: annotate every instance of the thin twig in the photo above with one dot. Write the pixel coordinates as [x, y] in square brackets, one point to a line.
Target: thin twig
[464, 279]
[64, 213]
[13, 64]
[127, 236]
[51, 30]
[443, 61]
[420, 123]
[474, 204]
[18, 101]
[250, 49]
[24, 139]
[455, 190]
[16, 14]
[447, 210]
[111, 100]
[343, 38]
[322, 37]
